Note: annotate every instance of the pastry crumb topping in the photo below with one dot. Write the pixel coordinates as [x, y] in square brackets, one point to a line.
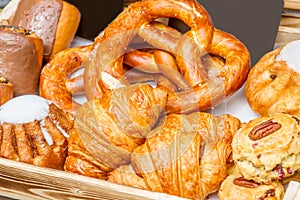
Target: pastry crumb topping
[3, 80]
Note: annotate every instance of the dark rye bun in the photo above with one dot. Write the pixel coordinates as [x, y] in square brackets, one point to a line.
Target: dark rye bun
[54, 21]
[20, 58]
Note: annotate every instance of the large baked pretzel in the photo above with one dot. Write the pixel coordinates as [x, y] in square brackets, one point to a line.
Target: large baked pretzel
[116, 37]
[187, 48]
[179, 61]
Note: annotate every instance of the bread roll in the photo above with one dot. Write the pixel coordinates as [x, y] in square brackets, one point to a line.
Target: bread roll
[20, 59]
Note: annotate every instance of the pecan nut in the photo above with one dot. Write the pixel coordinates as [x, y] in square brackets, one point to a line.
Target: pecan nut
[241, 181]
[264, 129]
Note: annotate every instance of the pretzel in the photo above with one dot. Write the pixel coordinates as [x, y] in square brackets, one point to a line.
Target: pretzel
[200, 67]
[113, 41]
[230, 77]
[157, 62]
[188, 50]
[55, 75]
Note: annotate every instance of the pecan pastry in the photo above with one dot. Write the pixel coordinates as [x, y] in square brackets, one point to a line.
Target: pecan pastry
[237, 187]
[267, 148]
[273, 82]
[35, 131]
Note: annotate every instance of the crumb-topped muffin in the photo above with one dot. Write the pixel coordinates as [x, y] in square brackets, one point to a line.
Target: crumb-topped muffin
[35, 131]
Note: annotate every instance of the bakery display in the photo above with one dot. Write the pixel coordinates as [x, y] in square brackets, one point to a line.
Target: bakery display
[6, 90]
[272, 85]
[35, 131]
[236, 187]
[54, 21]
[266, 148]
[20, 60]
[137, 110]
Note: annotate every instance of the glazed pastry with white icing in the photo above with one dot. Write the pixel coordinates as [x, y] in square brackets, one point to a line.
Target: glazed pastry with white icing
[35, 131]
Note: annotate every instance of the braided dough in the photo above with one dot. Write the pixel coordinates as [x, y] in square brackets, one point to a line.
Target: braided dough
[188, 49]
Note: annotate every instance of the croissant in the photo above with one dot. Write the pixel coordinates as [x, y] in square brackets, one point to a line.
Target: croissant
[111, 127]
[186, 155]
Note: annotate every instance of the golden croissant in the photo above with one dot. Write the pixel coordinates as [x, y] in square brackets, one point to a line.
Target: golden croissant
[186, 155]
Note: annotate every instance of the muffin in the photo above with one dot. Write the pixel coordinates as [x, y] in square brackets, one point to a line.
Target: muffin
[35, 131]
[267, 148]
[236, 187]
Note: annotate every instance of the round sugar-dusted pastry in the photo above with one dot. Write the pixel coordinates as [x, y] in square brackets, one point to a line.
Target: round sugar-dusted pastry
[273, 82]
[35, 131]
[236, 187]
[267, 148]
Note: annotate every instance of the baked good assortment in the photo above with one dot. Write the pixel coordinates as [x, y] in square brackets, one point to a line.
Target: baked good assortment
[156, 136]
[35, 131]
[272, 85]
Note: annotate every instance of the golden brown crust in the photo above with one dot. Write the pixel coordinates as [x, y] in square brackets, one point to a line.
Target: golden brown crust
[272, 86]
[55, 74]
[187, 48]
[56, 32]
[133, 17]
[127, 176]
[110, 128]
[119, 122]
[66, 28]
[80, 161]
